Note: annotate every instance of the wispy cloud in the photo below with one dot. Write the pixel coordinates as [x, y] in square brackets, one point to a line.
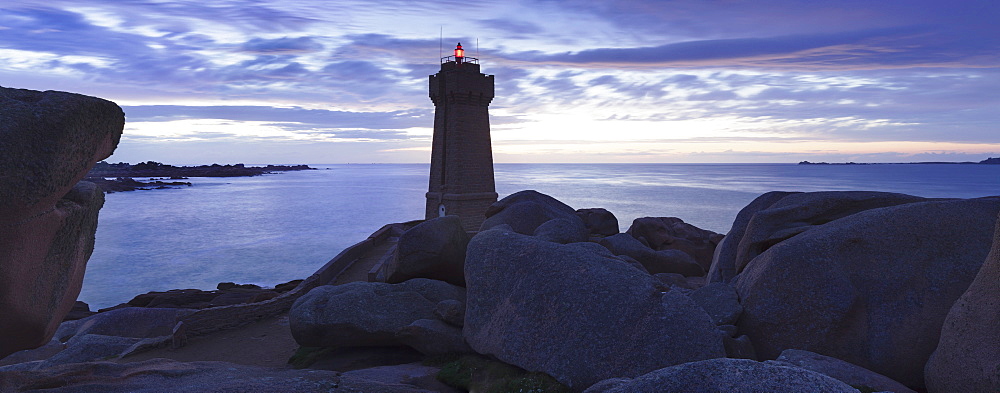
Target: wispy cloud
[881, 48]
[304, 118]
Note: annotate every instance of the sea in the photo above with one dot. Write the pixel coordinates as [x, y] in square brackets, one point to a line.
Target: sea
[274, 228]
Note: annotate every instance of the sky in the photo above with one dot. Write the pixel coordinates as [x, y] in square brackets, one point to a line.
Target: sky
[688, 81]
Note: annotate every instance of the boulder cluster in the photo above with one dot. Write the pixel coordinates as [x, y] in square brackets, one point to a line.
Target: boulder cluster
[819, 292]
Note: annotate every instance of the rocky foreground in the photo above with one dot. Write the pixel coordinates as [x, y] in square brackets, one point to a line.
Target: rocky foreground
[809, 292]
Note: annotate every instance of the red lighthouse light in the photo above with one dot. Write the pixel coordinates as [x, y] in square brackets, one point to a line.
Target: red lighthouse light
[459, 52]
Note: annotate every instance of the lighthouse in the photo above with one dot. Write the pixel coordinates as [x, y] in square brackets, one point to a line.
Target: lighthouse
[461, 178]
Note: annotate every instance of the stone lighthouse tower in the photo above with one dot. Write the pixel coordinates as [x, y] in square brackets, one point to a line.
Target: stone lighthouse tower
[461, 180]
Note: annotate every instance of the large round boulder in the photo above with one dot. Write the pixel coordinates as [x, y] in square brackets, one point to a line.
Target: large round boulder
[576, 314]
[799, 212]
[48, 142]
[599, 221]
[433, 249]
[526, 210]
[528, 196]
[843, 371]
[872, 289]
[720, 301]
[672, 233]
[562, 231]
[723, 261]
[967, 358]
[666, 261]
[725, 376]
[361, 314]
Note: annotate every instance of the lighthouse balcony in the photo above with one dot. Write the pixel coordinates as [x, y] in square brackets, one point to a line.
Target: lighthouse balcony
[453, 59]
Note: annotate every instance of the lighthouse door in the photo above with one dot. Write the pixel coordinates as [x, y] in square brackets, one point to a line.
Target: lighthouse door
[441, 211]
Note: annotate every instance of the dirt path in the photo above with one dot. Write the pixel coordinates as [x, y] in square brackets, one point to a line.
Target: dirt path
[266, 343]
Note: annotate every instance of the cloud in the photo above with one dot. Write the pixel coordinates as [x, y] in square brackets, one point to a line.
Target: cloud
[297, 118]
[366, 134]
[518, 28]
[912, 46]
[284, 45]
[65, 33]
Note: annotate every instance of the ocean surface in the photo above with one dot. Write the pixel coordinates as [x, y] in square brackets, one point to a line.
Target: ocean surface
[275, 228]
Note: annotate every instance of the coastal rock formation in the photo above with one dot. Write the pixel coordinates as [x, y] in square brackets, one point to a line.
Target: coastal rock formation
[725, 376]
[872, 288]
[80, 310]
[366, 313]
[672, 233]
[227, 293]
[105, 335]
[159, 375]
[724, 261]
[654, 262]
[720, 301]
[48, 140]
[402, 378]
[433, 337]
[800, 212]
[839, 369]
[526, 210]
[964, 360]
[599, 221]
[433, 249]
[562, 231]
[576, 314]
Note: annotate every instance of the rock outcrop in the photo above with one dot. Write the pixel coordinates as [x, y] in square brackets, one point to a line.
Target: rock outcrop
[227, 293]
[526, 210]
[800, 212]
[672, 233]
[654, 262]
[720, 301]
[107, 335]
[599, 221]
[872, 288]
[562, 231]
[160, 375]
[367, 313]
[433, 249]
[48, 142]
[724, 261]
[843, 371]
[433, 337]
[578, 315]
[725, 376]
[967, 358]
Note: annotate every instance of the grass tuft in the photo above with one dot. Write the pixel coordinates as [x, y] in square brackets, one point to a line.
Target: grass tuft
[480, 374]
[306, 356]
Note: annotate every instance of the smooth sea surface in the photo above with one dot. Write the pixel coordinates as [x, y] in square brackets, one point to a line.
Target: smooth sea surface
[275, 228]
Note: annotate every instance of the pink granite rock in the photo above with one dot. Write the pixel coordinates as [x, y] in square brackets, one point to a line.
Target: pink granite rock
[48, 142]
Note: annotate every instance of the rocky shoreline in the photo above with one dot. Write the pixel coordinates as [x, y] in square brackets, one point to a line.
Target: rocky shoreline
[121, 176]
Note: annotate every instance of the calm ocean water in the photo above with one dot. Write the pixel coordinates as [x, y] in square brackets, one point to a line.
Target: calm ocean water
[275, 228]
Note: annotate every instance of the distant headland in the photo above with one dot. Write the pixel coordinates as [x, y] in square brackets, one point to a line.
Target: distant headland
[120, 177]
[988, 161]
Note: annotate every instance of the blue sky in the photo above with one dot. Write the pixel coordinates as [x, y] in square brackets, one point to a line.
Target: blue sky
[577, 81]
